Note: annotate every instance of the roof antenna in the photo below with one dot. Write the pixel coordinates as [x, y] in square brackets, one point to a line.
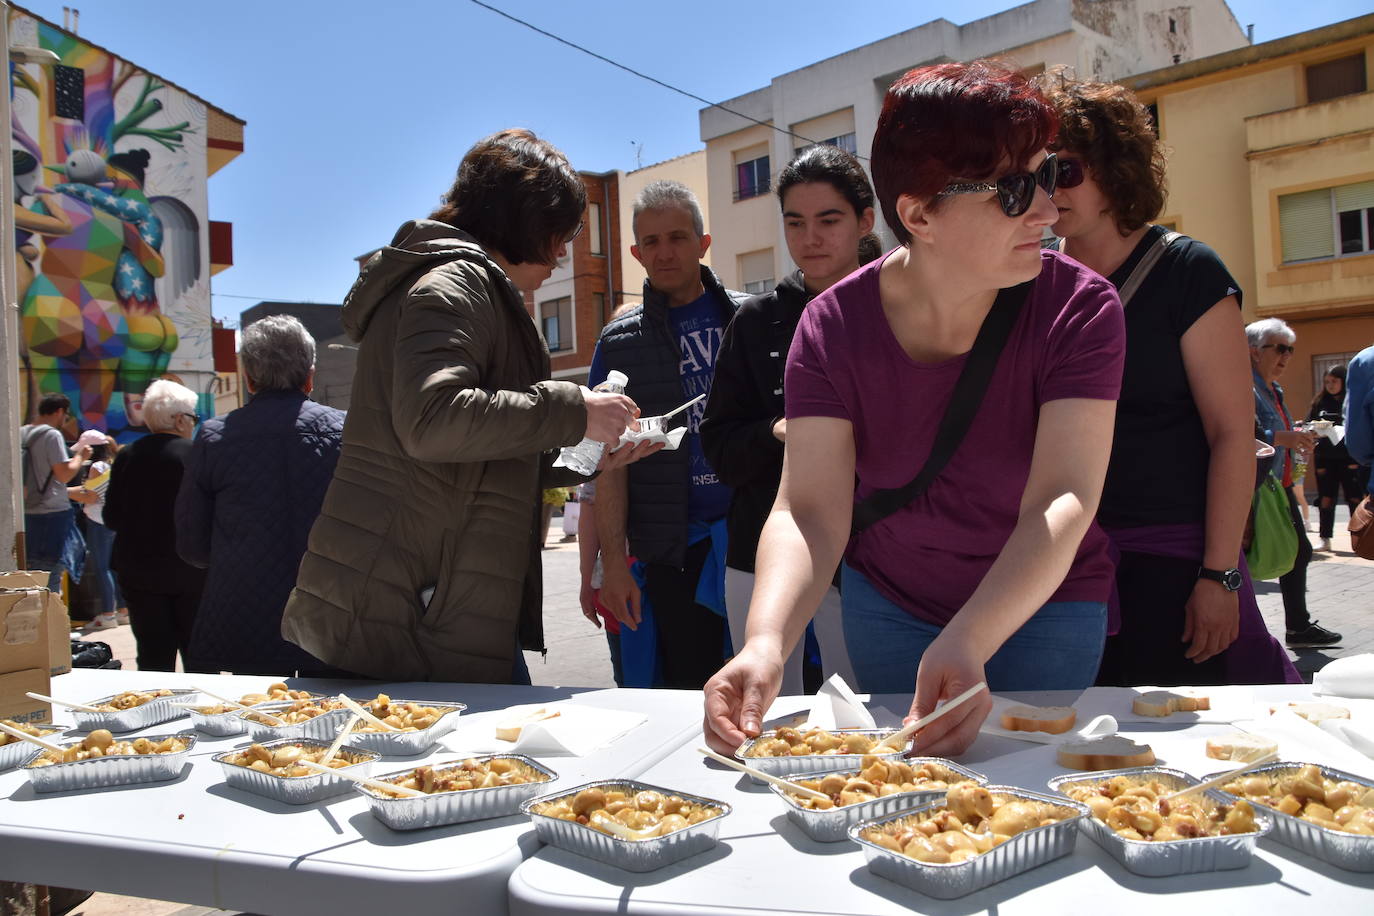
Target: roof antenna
[639, 154]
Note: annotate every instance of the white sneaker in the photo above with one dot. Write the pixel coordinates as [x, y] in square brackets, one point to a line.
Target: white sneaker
[123, 614]
[1325, 544]
[105, 621]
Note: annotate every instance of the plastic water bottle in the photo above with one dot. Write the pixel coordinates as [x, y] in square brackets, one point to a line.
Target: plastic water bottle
[586, 455]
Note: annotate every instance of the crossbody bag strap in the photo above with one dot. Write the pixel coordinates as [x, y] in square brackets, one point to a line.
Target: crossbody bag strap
[959, 413]
[28, 458]
[1146, 264]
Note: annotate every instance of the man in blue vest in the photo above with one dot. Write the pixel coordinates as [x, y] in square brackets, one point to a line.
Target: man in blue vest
[671, 506]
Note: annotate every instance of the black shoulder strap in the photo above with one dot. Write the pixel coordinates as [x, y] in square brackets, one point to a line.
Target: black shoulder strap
[34, 432]
[962, 408]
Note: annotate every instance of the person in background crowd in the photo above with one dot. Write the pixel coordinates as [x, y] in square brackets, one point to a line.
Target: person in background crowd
[827, 211]
[1271, 344]
[254, 482]
[424, 562]
[997, 571]
[100, 539]
[671, 506]
[592, 575]
[52, 541]
[1335, 469]
[163, 591]
[1359, 416]
[1178, 485]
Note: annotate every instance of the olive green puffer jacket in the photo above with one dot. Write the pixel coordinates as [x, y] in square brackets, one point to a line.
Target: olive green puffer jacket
[445, 450]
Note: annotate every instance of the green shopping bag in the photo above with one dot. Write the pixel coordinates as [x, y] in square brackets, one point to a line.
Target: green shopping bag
[1274, 544]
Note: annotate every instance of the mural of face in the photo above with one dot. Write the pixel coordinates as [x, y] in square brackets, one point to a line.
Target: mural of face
[133, 409]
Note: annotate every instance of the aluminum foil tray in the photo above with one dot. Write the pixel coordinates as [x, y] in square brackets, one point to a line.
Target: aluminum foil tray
[946, 881]
[810, 763]
[226, 724]
[832, 825]
[631, 855]
[1350, 851]
[154, 712]
[295, 790]
[102, 772]
[321, 728]
[454, 807]
[1168, 857]
[17, 752]
[409, 744]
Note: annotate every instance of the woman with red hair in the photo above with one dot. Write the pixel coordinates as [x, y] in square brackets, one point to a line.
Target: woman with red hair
[988, 568]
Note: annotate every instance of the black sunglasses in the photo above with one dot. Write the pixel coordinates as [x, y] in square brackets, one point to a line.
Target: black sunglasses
[1071, 173]
[1281, 349]
[1014, 192]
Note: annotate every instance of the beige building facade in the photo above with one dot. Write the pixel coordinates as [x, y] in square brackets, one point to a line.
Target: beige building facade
[1272, 164]
[838, 100]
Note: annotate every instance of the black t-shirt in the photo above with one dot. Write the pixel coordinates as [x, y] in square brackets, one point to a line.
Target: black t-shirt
[1158, 469]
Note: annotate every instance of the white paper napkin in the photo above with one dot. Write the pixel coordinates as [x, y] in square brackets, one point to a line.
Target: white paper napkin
[671, 439]
[576, 732]
[837, 706]
[1083, 728]
[1352, 676]
[1361, 739]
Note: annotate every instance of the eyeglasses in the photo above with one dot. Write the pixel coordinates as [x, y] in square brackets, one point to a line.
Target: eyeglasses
[1014, 192]
[1071, 173]
[1281, 349]
[195, 417]
[575, 233]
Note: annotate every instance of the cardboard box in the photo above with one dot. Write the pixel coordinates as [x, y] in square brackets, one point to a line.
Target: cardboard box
[35, 644]
[57, 624]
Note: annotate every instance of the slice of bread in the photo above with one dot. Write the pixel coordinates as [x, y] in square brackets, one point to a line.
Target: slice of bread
[1107, 753]
[1053, 719]
[510, 729]
[1160, 703]
[1316, 713]
[1241, 747]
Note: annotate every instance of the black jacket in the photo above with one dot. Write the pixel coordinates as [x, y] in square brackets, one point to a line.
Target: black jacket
[254, 483]
[746, 400]
[139, 508]
[1329, 407]
[640, 344]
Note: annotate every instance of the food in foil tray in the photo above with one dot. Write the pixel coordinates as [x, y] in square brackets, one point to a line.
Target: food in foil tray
[973, 821]
[640, 816]
[467, 774]
[405, 717]
[789, 742]
[877, 777]
[100, 743]
[275, 693]
[1134, 810]
[24, 727]
[298, 712]
[132, 698]
[1308, 794]
[285, 759]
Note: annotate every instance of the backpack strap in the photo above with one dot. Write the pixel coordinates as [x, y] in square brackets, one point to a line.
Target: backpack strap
[959, 413]
[34, 432]
[1146, 264]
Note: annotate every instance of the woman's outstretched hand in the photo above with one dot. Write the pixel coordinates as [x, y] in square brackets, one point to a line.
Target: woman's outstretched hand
[738, 695]
[947, 670]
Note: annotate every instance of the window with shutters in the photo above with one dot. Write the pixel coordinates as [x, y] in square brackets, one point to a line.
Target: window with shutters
[756, 271]
[1335, 78]
[1327, 222]
[752, 177]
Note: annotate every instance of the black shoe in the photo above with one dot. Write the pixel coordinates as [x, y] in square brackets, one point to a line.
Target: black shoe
[1311, 636]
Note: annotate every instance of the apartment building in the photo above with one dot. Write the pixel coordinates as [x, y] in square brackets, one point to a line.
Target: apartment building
[837, 100]
[1272, 164]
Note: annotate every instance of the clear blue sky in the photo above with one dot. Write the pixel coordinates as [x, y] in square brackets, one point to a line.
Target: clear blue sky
[358, 113]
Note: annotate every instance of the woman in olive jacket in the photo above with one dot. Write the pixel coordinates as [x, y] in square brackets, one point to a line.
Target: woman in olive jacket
[424, 562]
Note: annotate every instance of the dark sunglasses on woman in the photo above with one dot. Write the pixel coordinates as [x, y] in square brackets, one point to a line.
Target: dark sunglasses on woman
[1071, 173]
[1014, 192]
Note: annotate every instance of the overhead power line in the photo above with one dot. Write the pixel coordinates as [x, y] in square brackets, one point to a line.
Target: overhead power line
[644, 76]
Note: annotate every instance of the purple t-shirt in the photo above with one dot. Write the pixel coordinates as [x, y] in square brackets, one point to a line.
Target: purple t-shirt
[928, 557]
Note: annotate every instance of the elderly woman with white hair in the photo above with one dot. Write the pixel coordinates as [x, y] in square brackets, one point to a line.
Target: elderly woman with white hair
[1271, 345]
[162, 590]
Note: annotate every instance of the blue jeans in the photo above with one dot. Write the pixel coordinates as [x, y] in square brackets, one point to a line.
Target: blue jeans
[54, 544]
[1059, 648]
[99, 543]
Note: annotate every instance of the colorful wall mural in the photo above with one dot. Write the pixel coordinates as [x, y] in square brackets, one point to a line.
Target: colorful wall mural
[111, 243]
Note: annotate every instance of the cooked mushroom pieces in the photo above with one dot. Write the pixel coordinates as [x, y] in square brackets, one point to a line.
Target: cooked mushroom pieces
[406, 717]
[943, 837]
[100, 743]
[1309, 794]
[629, 815]
[286, 759]
[878, 777]
[1136, 810]
[299, 711]
[789, 742]
[24, 727]
[469, 774]
[130, 699]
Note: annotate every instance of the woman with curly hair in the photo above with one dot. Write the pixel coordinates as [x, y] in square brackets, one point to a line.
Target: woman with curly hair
[1182, 468]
